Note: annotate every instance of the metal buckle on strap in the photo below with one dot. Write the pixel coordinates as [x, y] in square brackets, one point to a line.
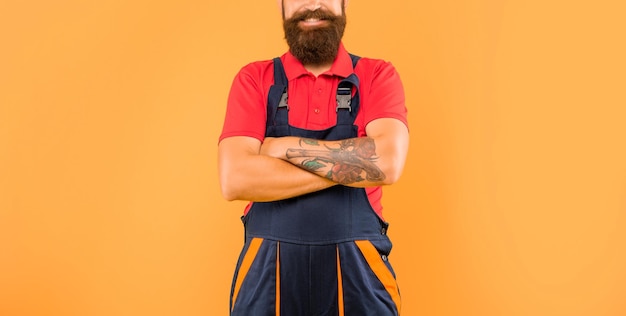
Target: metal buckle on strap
[344, 98]
[283, 101]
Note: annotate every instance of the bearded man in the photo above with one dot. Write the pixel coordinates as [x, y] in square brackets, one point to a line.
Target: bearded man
[310, 138]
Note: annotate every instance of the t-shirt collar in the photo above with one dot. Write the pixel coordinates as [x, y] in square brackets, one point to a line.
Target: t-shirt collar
[342, 66]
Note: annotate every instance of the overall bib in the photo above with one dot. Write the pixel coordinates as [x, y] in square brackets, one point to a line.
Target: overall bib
[319, 254]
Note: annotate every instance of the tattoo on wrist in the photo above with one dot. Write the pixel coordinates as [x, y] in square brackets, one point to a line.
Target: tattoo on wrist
[349, 161]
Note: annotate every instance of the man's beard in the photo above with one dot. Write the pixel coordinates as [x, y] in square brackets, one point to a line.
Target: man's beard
[317, 45]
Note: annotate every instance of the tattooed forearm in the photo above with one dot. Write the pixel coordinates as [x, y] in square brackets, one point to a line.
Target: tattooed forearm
[345, 162]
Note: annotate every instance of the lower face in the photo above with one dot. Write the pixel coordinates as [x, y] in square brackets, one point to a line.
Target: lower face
[314, 36]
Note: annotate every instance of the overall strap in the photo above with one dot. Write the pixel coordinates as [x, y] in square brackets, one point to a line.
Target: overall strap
[355, 60]
[277, 106]
[347, 102]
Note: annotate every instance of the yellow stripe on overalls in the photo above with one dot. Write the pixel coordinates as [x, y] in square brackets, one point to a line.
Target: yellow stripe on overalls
[380, 269]
[247, 261]
[339, 286]
[278, 278]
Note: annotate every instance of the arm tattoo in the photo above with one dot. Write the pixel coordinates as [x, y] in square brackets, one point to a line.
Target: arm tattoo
[349, 161]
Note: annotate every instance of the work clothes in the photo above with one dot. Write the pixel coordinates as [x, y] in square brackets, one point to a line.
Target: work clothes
[320, 254]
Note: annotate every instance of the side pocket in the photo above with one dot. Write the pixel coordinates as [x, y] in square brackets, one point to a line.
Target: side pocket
[380, 269]
[243, 269]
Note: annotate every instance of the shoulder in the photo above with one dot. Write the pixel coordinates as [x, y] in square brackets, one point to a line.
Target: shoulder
[376, 72]
[257, 76]
[256, 68]
[374, 68]
[373, 63]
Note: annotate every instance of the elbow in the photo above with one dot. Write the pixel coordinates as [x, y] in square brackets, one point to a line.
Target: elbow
[230, 191]
[228, 194]
[391, 177]
[393, 173]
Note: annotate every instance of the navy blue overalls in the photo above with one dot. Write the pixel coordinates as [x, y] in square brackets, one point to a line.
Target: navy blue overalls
[319, 254]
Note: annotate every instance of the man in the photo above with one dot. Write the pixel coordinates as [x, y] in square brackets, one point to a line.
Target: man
[309, 138]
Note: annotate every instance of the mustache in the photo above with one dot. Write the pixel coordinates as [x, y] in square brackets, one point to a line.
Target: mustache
[317, 14]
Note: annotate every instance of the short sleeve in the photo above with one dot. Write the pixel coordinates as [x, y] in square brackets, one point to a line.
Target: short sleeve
[246, 107]
[382, 92]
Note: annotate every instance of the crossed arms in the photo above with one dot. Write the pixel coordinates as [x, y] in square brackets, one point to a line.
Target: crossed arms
[285, 167]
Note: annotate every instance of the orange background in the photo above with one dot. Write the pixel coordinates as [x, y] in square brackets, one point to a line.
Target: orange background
[513, 200]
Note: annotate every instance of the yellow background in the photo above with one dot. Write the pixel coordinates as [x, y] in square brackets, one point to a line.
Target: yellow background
[513, 200]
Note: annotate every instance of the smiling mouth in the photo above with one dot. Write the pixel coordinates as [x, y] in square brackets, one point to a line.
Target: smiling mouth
[312, 22]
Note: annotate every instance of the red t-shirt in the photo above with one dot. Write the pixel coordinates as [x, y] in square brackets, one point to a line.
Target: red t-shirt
[312, 100]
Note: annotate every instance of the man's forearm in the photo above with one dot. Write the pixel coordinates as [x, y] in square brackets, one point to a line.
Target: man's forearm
[250, 176]
[351, 162]
[345, 162]
[277, 180]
